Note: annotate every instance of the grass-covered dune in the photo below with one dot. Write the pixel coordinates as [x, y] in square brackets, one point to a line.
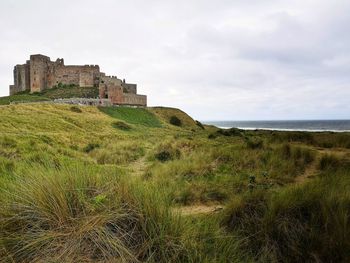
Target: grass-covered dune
[88, 184]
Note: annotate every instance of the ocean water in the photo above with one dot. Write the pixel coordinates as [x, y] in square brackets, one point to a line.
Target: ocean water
[295, 125]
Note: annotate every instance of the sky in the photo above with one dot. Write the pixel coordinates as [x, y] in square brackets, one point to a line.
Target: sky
[215, 60]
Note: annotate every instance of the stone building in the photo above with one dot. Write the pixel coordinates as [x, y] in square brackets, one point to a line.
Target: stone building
[40, 73]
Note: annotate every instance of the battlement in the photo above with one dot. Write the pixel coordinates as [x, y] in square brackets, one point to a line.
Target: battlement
[40, 73]
[91, 66]
[39, 57]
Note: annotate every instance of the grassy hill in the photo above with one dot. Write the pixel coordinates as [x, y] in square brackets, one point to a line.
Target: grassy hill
[57, 92]
[21, 98]
[88, 184]
[166, 114]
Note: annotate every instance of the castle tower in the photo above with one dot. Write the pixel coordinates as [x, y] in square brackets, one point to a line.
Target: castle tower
[21, 78]
[39, 65]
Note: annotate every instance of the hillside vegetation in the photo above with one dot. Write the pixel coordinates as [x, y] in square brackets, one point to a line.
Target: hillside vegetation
[121, 184]
[58, 92]
[18, 98]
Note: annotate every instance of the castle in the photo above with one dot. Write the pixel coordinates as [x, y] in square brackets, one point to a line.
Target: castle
[40, 73]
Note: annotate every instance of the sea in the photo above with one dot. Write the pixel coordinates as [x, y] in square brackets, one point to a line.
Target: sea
[286, 125]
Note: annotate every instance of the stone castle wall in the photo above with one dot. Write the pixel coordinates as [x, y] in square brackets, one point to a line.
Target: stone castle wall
[134, 99]
[129, 88]
[46, 74]
[83, 76]
[115, 94]
[110, 80]
[40, 73]
[84, 101]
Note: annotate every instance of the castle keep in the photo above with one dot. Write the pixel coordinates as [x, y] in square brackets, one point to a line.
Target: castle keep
[40, 73]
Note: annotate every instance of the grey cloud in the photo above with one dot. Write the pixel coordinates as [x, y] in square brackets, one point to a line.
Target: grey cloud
[214, 59]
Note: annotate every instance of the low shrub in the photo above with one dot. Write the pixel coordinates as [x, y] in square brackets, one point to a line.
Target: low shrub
[230, 132]
[75, 109]
[212, 136]
[90, 147]
[200, 125]
[225, 132]
[166, 152]
[74, 147]
[175, 121]
[254, 143]
[163, 156]
[121, 126]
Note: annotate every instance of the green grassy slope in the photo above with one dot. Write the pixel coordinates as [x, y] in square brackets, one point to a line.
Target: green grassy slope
[165, 114]
[21, 98]
[132, 115]
[57, 92]
[83, 184]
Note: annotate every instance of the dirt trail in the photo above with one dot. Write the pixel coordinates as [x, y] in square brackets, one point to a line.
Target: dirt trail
[312, 169]
[139, 166]
[199, 209]
[340, 152]
[309, 172]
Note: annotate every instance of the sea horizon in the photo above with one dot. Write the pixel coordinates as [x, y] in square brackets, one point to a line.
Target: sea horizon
[330, 125]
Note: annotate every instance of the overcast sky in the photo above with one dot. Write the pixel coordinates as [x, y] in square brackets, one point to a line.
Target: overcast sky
[216, 60]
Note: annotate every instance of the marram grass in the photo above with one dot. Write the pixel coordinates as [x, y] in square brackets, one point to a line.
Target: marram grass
[76, 187]
[78, 214]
